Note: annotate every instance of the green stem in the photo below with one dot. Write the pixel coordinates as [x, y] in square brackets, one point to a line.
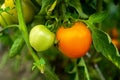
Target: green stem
[9, 26]
[52, 7]
[86, 71]
[24, 31]
[76, 69]
[50, 75]
[99, 72]
[99, 9]
[99, 5]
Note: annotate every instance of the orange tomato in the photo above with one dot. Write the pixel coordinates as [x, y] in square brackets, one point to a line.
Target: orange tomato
[114, 33]
[116, 43]
[74, 42]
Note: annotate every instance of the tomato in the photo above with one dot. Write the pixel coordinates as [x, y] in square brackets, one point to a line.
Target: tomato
[41, 38]
[5, 18]
[28, 10]
[114, 33]
[74, 42]
[116, 43]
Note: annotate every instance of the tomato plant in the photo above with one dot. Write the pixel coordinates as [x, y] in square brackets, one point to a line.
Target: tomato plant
[41, 38]
[75, 41]
[60, 39]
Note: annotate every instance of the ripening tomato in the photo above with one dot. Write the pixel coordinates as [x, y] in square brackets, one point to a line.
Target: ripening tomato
[116, 42]
[41, 38]
[28, 10]
[114, 33]
[74, 42]
[5, 18]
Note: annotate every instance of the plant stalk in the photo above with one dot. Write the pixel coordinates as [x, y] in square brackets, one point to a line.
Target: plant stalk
[24, 31]
[76, 70]
[23, 28]
[99, 9]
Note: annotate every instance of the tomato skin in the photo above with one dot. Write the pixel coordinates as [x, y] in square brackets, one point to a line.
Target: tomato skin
[114, 33]
[41, 38]
[74, 42]
[28, 10]
[5, 18]
[116, 43]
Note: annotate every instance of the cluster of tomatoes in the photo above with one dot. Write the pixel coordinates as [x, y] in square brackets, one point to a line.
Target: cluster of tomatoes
[73, 42]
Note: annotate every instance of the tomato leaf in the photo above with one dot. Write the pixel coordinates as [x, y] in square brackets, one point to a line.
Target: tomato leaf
[82, 64]
[7, 9]
[45, 4]
[33, 68]
[98, 17]
[16, 47]
[40, 64]
[103, 44]
[77, 5]
[80, 68]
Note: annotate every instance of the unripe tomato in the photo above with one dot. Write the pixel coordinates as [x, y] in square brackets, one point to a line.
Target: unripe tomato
[28, 10]
[74, 42]
[5, 18]
[41, 38]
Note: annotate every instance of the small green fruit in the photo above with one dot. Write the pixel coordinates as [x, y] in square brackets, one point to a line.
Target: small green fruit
[41, 38]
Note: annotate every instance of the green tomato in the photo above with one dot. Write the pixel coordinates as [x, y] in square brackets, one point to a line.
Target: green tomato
[41, 38]
[5, 18]
[27, 7]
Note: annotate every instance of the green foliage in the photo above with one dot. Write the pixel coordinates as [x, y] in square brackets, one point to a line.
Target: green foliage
[98, 17]
[50, 63]
[1, 2]
[103, 44]
[44, 7]
[5, 39]
[80, 68]
[77, 5]
[102, 41]
[41, 64]
[16, 47]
